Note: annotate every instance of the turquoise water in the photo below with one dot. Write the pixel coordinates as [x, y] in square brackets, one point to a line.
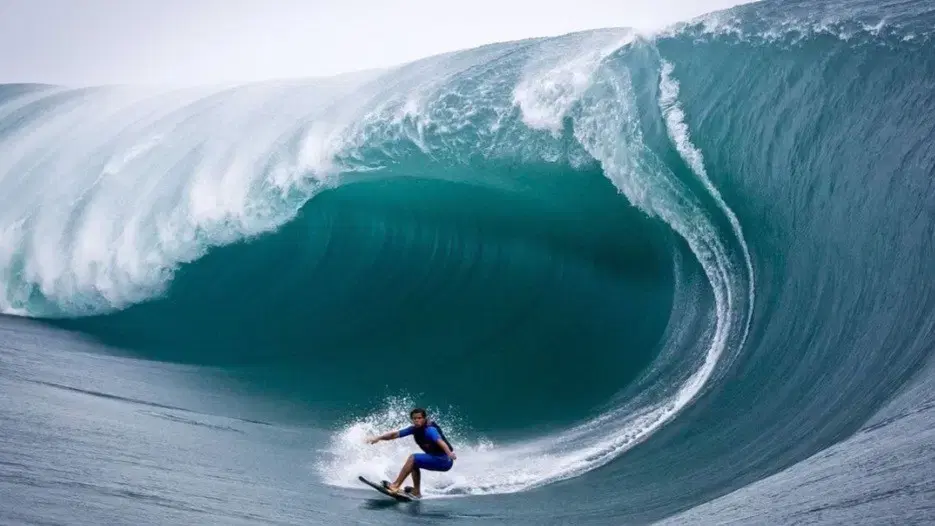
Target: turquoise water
[631, 274]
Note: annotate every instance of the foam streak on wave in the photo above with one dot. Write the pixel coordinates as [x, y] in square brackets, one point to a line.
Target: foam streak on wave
[679, 133]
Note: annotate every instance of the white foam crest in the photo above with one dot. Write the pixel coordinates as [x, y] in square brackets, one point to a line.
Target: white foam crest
[113, 189]
[555, 79]
[781, 27]
[718, 23]
[433, 104]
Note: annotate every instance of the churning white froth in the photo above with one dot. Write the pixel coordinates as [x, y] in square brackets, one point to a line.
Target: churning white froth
[103, 193]
[793, 26]
[559, 73]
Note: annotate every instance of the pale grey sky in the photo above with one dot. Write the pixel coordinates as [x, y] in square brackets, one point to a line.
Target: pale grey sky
[81, 42]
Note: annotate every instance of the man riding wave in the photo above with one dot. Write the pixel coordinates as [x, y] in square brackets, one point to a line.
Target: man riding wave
[438, 454]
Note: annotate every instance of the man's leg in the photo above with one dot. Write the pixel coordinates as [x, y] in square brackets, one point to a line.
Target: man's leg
[403, 473]
[416, 482]
[422, 461]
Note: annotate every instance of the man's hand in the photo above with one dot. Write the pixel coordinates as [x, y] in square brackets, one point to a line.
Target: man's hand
[441, 443]
[393, 435]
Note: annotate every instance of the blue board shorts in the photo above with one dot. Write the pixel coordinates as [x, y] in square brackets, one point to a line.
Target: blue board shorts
[432, 462]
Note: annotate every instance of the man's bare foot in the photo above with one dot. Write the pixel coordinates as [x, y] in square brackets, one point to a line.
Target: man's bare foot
[409, 490]
[392, 488]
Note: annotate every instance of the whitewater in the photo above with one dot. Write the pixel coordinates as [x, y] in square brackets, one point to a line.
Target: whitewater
[675, 277]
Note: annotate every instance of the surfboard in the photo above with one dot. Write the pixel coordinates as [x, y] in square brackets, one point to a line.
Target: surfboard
[401, 497]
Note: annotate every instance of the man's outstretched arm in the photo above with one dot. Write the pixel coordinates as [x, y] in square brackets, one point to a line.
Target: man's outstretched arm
[392, 435]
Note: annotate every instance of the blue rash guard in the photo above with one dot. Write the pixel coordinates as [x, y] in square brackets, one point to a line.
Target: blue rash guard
[434, 458]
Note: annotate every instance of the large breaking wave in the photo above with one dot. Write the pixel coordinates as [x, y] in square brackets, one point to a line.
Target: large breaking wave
[606, 231]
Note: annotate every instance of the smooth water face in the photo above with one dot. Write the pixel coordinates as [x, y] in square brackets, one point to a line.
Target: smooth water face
[634, 277]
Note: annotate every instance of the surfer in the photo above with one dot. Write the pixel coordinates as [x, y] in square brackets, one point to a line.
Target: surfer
[438, 456]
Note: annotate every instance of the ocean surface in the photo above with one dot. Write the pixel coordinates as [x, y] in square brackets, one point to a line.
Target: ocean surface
[679, 277]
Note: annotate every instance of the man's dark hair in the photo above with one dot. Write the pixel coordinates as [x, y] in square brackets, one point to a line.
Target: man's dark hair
[418, 410]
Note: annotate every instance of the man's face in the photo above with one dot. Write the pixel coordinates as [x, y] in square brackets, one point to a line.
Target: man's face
[418, 420]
